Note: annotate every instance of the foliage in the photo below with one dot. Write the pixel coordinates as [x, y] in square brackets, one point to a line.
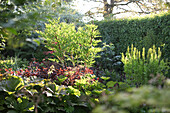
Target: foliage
[2, 43]
[108, 59]
[68, 44]
[108, 64]
[18, 30]
[13, 102]
[142, 32]
[66, 90]
[46, 87]
[138, 68]
[136, 100]
[12, 63]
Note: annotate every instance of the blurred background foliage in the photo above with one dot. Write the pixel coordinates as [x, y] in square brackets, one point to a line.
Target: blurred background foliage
[146, 99]
[20, 19]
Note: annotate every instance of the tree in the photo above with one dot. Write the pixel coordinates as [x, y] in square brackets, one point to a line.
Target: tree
[144, 7]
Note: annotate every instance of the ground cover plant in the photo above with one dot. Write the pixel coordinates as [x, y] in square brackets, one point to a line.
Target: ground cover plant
[30, 92]
[46, 87]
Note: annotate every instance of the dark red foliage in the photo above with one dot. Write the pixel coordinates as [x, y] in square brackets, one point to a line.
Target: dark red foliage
[48, 52]
[45, 71]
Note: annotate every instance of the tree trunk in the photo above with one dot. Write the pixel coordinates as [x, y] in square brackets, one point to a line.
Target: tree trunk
[108, 8]
[105, 13]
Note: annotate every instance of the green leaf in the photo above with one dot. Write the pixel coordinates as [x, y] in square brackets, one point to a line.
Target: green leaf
[37, 41]
[19, 100]
[110, 84]
[105, 78]
[52, 87]
[61, 78]
[12, 111]
[74, 91]
[12, 84]
[12, 30]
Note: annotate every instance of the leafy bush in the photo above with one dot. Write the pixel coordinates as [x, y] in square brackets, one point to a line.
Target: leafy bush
[29, 92]
[71, 45]
[108, 59]
[137, 100]
[46, 87]
[138, 68]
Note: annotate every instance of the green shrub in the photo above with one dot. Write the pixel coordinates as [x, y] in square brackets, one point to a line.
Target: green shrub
[138, 68]
[69, 45]
[146, 99]
[108, 59]
[142, 32]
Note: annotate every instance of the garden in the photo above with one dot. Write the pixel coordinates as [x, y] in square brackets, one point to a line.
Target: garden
[52, 62]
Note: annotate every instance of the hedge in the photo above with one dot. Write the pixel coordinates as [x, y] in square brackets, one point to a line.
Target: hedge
[142, 32]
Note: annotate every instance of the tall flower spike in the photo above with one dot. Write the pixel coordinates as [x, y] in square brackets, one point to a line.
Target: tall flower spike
[143, 53]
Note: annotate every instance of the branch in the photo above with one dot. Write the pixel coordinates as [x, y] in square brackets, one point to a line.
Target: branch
[140, 7]
[130, 12]
[125, 10]
[113, 4]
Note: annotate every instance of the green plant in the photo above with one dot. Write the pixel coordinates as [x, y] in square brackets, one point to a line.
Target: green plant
[19, 35]
[146, 99]
[13, 63]
[2, 44]
[138, 68]
[46, 87]
[69, 44]
[108, 59]
[10, 87]
[140, 31]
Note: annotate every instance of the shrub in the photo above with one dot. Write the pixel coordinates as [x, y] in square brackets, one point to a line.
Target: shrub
[71, 45]
[142, 32]
[108, 59]
[147, 99]
[138, 68]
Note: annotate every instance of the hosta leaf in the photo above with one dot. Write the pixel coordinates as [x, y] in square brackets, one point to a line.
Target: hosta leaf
[53, 88]
[12, 84]
[74, 91]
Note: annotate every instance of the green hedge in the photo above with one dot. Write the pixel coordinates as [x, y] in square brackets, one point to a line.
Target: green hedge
[141, 32]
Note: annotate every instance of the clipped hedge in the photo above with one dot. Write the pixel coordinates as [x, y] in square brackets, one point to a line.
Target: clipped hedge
[141, 32]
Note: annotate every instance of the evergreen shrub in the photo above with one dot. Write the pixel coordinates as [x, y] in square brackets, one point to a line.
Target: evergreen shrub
[142, 32]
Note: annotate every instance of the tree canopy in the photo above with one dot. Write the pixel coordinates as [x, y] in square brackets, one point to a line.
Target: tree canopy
[125, 6]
